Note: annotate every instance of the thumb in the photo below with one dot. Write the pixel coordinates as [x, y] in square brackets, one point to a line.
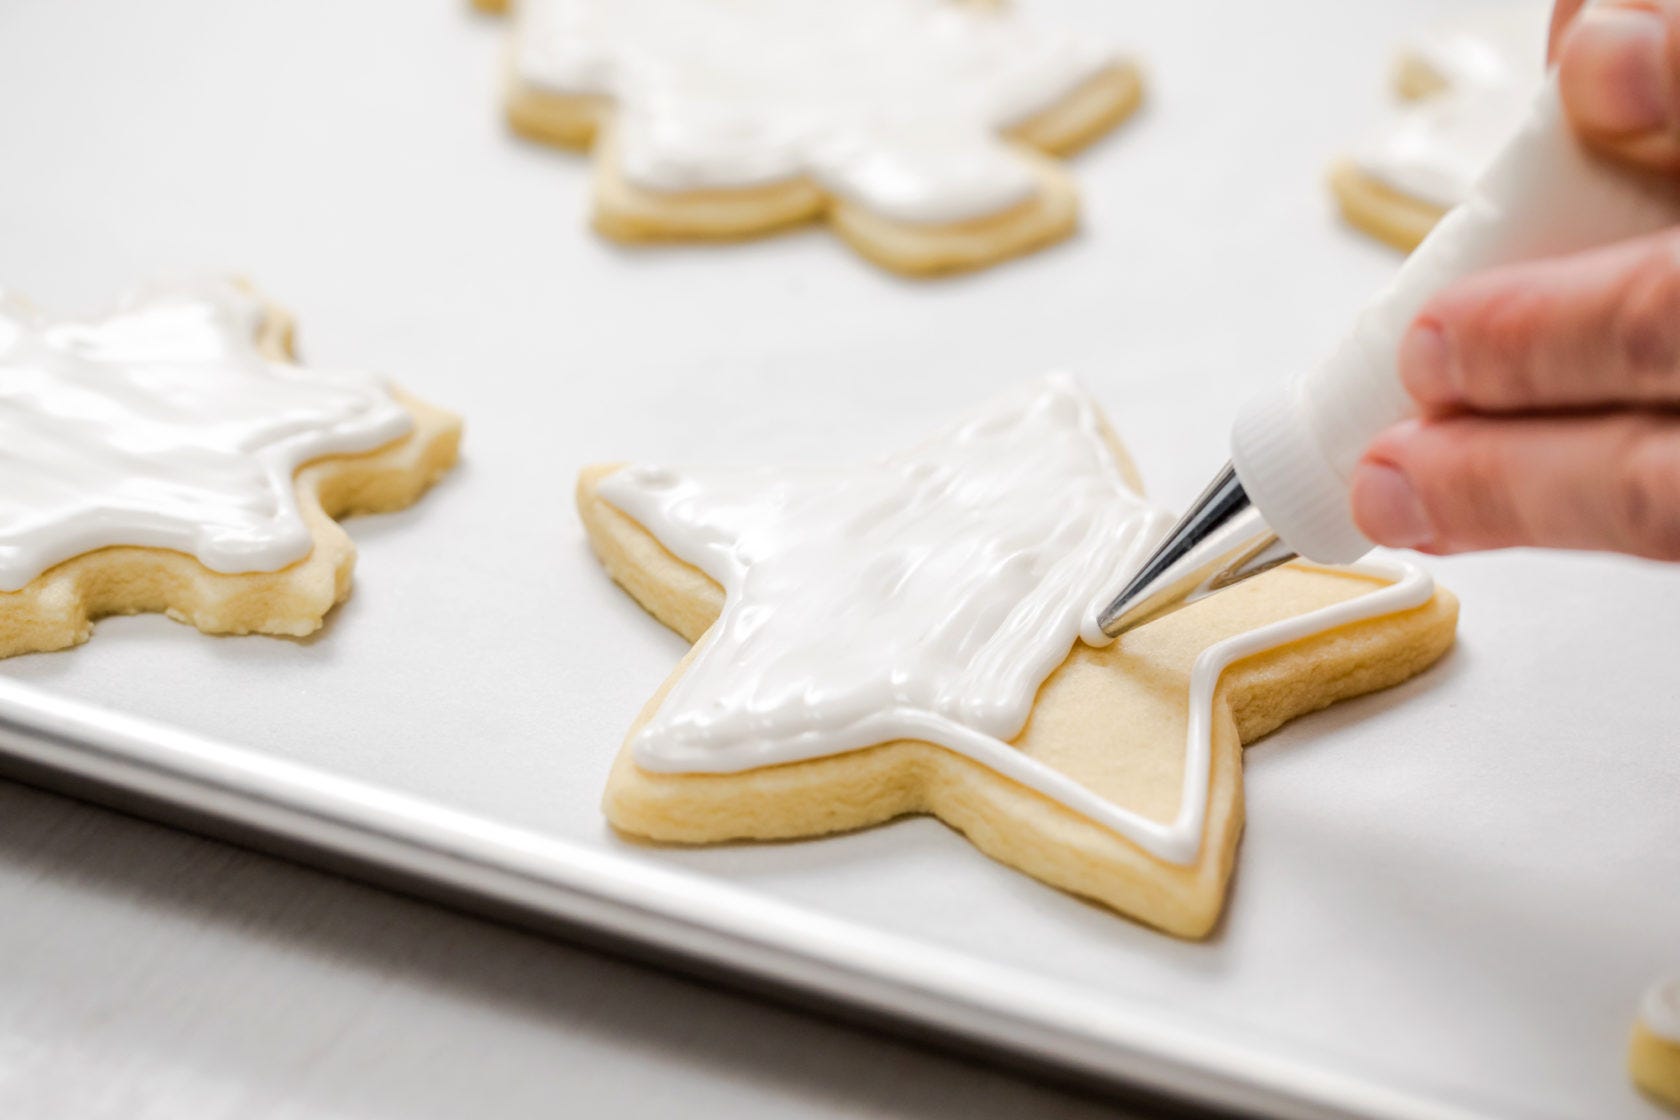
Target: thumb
[1619, 77]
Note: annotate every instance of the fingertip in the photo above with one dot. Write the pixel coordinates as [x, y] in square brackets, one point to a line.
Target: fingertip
[1387, 507]
[1563, 14]
[1613, 72]
[1427, 369]
[1392, 443]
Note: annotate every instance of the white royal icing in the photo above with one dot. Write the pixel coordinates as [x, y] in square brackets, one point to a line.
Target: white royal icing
[160, 425]
[1660, 1010]
[1489, 62]
[927, 595]
[897, 105]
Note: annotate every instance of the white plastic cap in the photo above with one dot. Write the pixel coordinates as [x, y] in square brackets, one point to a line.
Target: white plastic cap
[1288, 478]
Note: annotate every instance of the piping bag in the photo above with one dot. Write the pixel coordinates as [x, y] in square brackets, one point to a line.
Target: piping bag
[1293, 449]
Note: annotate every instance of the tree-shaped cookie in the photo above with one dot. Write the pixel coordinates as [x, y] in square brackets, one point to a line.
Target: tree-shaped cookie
[171, 456]
[923, 130]
[916, 634]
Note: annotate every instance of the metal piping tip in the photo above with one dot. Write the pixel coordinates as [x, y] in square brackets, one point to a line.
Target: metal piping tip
[1220, 541]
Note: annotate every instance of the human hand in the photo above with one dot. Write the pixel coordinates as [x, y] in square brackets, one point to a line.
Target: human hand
[1550, 391]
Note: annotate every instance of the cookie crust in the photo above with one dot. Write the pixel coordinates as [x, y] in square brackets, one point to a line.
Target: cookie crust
[1654, 1064]
[1381, 211]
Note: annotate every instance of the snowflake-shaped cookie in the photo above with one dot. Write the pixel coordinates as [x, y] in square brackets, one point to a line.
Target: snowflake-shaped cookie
[170, 456]
[918, 127]
[912, 634]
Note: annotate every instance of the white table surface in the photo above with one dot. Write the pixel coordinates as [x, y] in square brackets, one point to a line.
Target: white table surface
[1459, 886]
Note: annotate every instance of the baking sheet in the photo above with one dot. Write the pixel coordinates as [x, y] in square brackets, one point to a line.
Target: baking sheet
[1451, 894]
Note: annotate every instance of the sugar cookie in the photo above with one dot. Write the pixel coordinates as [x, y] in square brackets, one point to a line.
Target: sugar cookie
[914, 635]
[170, 456]
[1468, 83]
[1654, 1053]
[923, 130]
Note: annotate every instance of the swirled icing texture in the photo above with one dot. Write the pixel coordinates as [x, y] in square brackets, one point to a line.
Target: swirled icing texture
[1660, 1010]
[896, 105]
[1489, 63]
[161, 425]
[926, 595]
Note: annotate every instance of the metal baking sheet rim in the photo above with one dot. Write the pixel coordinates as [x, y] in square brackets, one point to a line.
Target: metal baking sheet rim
[174, 775]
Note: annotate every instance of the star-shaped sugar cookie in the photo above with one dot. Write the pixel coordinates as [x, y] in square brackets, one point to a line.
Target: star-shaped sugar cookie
[915, 635]
[923, 130]
[1466, 83]
[171, 456]
[1654, 1050]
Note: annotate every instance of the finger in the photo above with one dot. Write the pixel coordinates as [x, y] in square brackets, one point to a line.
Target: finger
[1608, 482]
[1562, 13]
[1591, 330]
[1619, 77]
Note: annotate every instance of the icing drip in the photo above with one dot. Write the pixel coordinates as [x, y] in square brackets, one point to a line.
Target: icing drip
[927, 596]
[1489, 64]
[1660, 1010]
[894, 104]
[160, 425]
